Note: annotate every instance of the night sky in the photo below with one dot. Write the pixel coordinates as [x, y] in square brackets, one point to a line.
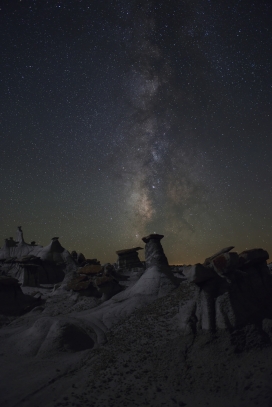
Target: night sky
[124, 118]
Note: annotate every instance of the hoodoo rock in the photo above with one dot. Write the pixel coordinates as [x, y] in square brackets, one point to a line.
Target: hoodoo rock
[154, 254]
[129, 258]
[231, 292]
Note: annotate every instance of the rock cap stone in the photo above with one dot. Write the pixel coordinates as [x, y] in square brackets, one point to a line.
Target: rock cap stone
[125, 251]
[253, 256]
[152, 236]
[225, 250]
[198, 273]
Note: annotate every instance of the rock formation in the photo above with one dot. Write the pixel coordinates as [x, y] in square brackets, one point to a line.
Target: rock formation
[129, 259]
[80, 259]
[231, 291]
[32, 264]
[222, 306]
[95, 281]
[154, 254]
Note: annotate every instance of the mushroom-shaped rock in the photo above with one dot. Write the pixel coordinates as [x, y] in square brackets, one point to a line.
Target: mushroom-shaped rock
[220, 304]
[128, 258]
[157, 280]
[154, 254]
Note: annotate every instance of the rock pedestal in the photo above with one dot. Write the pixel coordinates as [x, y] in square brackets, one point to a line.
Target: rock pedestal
[232, 291]
[154, 254]
[128, 258]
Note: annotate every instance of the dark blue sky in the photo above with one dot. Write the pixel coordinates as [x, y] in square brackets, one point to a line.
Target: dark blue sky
[123, 118]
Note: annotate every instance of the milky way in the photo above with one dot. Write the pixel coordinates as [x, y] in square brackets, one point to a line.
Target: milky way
[121, 119]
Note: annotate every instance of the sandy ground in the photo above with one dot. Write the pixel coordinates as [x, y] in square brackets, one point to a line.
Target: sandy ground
[128, 351]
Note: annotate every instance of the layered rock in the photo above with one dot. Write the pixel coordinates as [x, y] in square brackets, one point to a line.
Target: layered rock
[129, 258]
[32, 264]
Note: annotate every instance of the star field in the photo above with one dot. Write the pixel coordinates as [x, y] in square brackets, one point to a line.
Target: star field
[124, 118]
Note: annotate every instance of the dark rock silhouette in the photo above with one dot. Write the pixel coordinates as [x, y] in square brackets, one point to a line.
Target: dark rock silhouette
[129, 258]
[231, 292]
[95, 281]
[90, 269]
[80, 258]
[33, 264]
[154, 254]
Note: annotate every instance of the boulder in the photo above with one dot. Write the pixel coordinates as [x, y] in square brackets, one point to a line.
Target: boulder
[225, 250]
[107, 287]
[225, 263]
[93, 261]
[90, 269]
[198, 273]
[252, 257]
[84, 286]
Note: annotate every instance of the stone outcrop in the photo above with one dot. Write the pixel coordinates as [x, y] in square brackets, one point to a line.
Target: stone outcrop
[154, 254]
[129, 258]
[90, 269]
[80, 259]
[83, 285]
[225, 250]
[198, 273]
[96, 281]
[33, 264]
[231, 292]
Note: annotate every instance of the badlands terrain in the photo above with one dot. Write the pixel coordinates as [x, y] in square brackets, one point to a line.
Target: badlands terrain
[78, 333]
